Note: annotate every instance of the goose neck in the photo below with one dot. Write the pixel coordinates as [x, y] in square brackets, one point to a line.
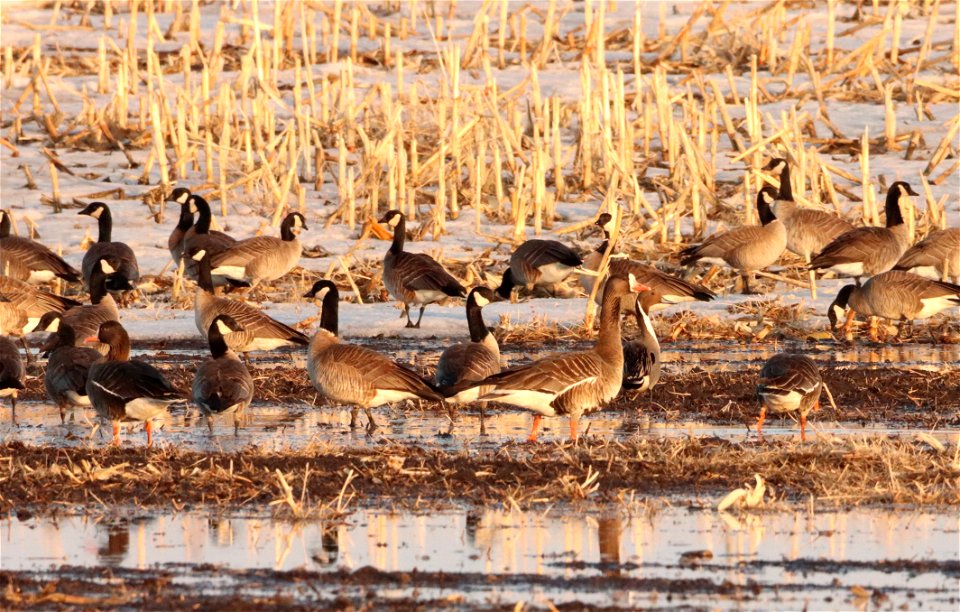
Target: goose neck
[105, 226]
[478, 330]
[399, 236]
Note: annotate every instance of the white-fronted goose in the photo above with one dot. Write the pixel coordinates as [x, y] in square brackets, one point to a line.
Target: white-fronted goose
[641, 355]
[414, 278]
[895, 295]
[353, 374]
[180, 196]
[747, 248]
[808, 230]
[27, 260]
[22, 305]
[121, 389]
[222, 384]
[788, 383]
[259, 332]
[868, 251]
[12, 373]
[538, 263]
[65, 378]
[936, 256]
[570, 383]
[86, 319]
[120, 256]
[200, 237]
[261, 258]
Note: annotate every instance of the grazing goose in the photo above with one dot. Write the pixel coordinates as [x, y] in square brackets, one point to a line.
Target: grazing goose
[746, 248]
[22, 306]
[414, 278]
[538, 262]
[936, 256]
[808, 230]
[668, 289]
[868, 251]
[895, 295]
[353, 374]
[65, 378]
[223, 385]
[27, 260]
[12, 374]
[570, 383]
[470, 362]
[789, 383]
[259, 332]
[199, 236]
[117, 254]
[180, 196]
[641, 356]
[121, 389]
[86, 319]
[261, 258]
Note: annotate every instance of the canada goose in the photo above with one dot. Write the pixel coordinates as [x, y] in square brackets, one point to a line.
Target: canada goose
[223, 385]
[86, 319]
[120, 256]
[199, 236]
[261, 258]
[570, 383]
[22, 305]
[27, 260]
[121, 389]
[180, 196]
[641, 355]
[895, 295]
[808, 230]
[12, 374]
[936, 256]
[414, 278]
[868, 251]
[538, 262]
[472, 361]
[259, 332]
[746, 248]
[788, 383]
[65, 378]
[353, 374]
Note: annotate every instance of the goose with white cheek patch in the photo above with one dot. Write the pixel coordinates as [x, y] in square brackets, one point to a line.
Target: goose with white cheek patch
[27, 260]
[65, 378]
[222, 384]
[469, 362]
[574, 383]
[180, 196]
[22, 306]
[12, 374]
[123, 390]
[261, 258]
[258, 331]
[747, 248]
[895, 295]
[668, 289]
[641, 355]
[868, 251]
[539, 263]
[87, 318]
[808, 230]
[118, 254]
[355, 375]
[200, 237]
[414, 278]
[936, 256]
[789, 383]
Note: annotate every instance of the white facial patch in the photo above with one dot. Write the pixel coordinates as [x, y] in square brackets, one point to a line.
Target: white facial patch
[199, 255]
[223, 327]
[838, 312]
[54, 325]
[394, 220]
[193, 208]
[767, 197]
[322, 293]
[479, 300]
[297, 222]
[97, 212]
[106, 267]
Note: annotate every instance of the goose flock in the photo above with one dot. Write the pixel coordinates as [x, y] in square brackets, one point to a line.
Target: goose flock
[88, 350]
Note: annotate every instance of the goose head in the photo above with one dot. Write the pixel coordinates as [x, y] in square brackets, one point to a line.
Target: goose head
[838, 309]
[292, 225]
[95, 210]
[392, 218]
[180, 195]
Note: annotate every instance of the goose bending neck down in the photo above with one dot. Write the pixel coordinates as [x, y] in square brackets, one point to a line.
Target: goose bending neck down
[222, 384]
[641, 355]
[355, 375]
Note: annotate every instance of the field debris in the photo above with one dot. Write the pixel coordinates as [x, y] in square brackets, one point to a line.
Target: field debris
[745, 498]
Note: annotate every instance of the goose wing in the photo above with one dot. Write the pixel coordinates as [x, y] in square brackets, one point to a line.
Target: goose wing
[538, 253]
[130, 380]
[23, 254]
[938, 247]
[670, 288]
[722, 244]
[252, 320]
[784, 374]
[68, 369]
[33, 302]
[467, 362]
[222, 383]
[420, 272]
[240, 253]
[853, 246]
[118, 254]
[349, 368]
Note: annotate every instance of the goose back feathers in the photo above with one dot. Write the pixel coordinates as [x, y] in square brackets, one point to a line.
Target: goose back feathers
[261, 258]
[22, 306]
[789, 383]
[470, 362]
[895, 295]
[120, 256]
[936, 256]
[27, 260]
[539, 262]
[12, 373]
[68, 366]
[222, 384]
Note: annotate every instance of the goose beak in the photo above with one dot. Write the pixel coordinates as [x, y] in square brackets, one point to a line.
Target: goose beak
[638, 287]
[91, 339]
[911, 191]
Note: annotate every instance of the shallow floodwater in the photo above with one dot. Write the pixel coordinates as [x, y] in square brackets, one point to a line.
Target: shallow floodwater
[788, 560]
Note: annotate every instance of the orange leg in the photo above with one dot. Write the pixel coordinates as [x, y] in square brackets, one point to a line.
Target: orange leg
[573, 427]
[760, 419]
[116, 433]
[848, 324]
[803, 427]
[537, 418]
[149, 427]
